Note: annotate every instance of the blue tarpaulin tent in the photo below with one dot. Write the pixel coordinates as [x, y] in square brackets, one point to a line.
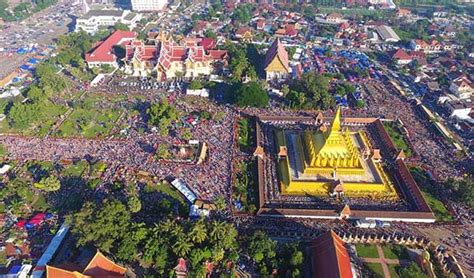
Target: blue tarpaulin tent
[21, 50]
[33, 61]
[25, 67]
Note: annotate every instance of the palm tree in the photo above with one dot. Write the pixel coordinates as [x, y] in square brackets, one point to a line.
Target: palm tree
[15, 206]
[167, 226]
[217, 230]
[182, 246]
[199, 232]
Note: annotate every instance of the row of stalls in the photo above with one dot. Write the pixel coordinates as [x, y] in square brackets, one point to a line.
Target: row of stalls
[23, 75]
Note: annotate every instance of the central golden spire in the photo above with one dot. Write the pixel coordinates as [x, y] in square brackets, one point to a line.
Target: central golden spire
[332, 149]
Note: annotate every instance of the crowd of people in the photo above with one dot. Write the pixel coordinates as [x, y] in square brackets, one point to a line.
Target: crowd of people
[430, 149]
[135, 150]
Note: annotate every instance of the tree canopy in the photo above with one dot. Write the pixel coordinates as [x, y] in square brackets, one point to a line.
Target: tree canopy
[311, 91]
[50, 183]
[109, 227]
[161, 114]
[251, 94]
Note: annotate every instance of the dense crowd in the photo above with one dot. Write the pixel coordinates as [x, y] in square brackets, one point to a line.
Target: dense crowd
[135, 150]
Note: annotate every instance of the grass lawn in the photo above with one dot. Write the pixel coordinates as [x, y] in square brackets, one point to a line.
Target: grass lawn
[167, 189]
[89, 123]
[428, 188]
[3, 150]
[438, 208]
[376, 269]
[367, 251]
[397, 137]
[98, 168]
[393, 269]
[394, 252]
[76, 169]
[40, 204]
[245, 134]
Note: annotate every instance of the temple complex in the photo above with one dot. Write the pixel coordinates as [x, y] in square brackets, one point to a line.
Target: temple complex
[191, 57]
[334, 168]
[276, 61]
[331, 161]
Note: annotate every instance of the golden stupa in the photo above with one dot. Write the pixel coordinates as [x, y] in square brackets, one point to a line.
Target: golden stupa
[332, 150]
[317, 162]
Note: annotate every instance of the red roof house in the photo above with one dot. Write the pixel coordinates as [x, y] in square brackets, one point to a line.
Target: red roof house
[401, 57]
[103, 53]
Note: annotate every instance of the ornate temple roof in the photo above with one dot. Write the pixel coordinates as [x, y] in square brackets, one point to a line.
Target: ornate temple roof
[98, 266]
[277, 51]
[330, 257]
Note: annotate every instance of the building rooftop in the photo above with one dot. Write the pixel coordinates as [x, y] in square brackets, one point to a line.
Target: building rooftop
[104, 52]
[94, 13]
[329, 257]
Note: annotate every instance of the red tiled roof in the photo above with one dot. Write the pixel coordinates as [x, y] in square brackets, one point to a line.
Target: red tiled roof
[208, 43]
[330, 257]
[171, 52]
[400, 54]
[243, 30]
[218, 54]
[141, 51]
[103, 52]
[290, 30]
[99, 266]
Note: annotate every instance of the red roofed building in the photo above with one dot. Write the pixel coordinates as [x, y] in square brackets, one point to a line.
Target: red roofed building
[192, 57]
[276, 61]
[244, 34]
[329, 257]
[140, 59]
[99, 266]
[431, 47]
[401, 57]
[103, 53]
[291, 31]
[403, 12]
[334, 18]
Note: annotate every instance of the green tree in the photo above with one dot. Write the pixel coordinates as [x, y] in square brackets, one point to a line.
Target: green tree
[262, 250]
[162, 114]
[199, 231]
[195, 85]
[182, 246]
[239, 63]
[251, 94]
[121, 26]
[186, 134]
[134, 204]
[162, 152]
[242, 13]
[210, 34]
[128, 248]
[412, 271]
[103, 226]
[49, 184]
[315, 88]
[220, 203]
